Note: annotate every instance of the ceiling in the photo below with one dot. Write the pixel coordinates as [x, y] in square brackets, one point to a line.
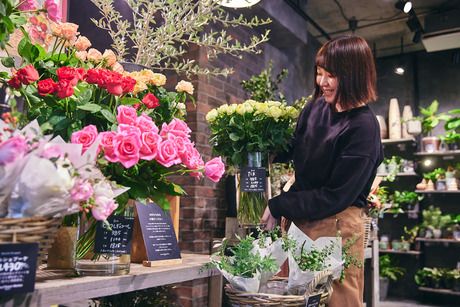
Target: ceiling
[379, 22]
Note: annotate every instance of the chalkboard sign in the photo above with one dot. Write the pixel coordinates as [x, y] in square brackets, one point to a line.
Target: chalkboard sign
[158, 233]
[18, 263]
[118, 239]
[253, 179]
[313, 301]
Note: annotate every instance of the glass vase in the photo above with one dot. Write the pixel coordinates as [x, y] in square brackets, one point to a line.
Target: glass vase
[111, 257]
[252, 190]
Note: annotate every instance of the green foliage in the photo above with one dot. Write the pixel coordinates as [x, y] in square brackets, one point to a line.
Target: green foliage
[10, 19]
[434, 219]
[436, 174]
[406, 197]
[348, 258]
[161, 31]
[430, 117]
[158, 297]
[453, 124]
[264, 87]
[275, 234]
[314, 259]
[388, 269]
[429, 277]
[451, 137]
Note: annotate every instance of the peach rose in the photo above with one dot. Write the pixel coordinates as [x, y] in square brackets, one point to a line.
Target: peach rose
[69, 31]
[82, 43]
[159, 80]
[185, 86]
[94, 55]
[81, 55]
[118, 68]
[110, 57]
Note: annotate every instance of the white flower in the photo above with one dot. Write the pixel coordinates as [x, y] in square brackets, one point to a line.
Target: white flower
[212, 115]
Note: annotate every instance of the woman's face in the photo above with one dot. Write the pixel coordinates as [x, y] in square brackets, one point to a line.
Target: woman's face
[327, 83]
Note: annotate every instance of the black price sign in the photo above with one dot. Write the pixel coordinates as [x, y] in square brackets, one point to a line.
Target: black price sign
[118, 239]
[18, 263]
[253, 179]
[158, 232]
[313, 301]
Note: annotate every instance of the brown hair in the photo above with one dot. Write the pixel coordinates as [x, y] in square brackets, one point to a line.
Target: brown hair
[350, 60]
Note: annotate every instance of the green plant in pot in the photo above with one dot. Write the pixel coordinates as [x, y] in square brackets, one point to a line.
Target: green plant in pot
[452, 127]
[407, 198]
[393, 166]
[453, 280]
[388, 271]
[434, 222]
[430, 119]
[428, 277]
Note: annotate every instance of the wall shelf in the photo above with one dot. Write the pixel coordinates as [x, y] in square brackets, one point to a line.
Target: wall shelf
[437, 240]
[443, 154]
[439, 291]
[398, 141]
[437, 192]
[390, 251]
[400, 174]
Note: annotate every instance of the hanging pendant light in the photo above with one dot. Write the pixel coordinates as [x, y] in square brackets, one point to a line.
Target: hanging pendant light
[237, 3]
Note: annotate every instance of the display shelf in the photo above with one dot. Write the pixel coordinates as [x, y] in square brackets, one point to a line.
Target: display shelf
[438, 153]
[430, 240]
[437, 192]
[439, 291]
[400, 174]
[398, 141]
[390, 251]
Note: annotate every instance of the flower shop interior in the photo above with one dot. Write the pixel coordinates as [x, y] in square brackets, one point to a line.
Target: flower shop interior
[137, 145]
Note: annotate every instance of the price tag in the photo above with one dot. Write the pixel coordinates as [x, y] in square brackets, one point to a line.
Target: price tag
[253, 179]
[18, 263]
[313, 301]
[118, 239]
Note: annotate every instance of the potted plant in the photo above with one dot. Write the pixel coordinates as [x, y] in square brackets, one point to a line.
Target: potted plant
[429, 277]
[452, 127]
[430, 120]
[434, 222]
[393, 166]
[407, 198]
[388, 271]
[454, 279]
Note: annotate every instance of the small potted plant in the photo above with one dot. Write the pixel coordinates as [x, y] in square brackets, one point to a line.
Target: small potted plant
[428, 277]
[388, 271]
[452, 127]
[393, 166]
[434, 222]
[454, 276]
[407, 198]
[430, 120]
[451, 139]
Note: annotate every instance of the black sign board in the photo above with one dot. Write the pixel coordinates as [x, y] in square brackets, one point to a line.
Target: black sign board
[253, 179]
[118, 239]
[18, 263]
[158, 233]
[313, 301]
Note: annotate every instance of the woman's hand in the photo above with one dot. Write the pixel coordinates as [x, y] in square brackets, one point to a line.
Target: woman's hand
[268, 219]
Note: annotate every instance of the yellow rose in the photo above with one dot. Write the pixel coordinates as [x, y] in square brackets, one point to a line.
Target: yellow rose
[223, 108]
[231, 109]
[185, 86]
[212, 115]
[274, 103]
[159, 80]
[275, 112]
[139, 87]
[248, 108]
[261, 108]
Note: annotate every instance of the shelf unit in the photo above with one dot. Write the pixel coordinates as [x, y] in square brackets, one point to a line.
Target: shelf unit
[390, 251]
[411, 174]
[398, 141]
[438, 153]
[439, 291]
[441, 240]
[437, 192]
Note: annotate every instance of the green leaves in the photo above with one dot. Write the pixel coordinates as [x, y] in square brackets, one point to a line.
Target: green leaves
[91, 107]
[28, 51]
[8, 62]
[109, 116]
[129, 101]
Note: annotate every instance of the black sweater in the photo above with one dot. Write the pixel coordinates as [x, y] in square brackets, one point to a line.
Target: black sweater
[336, 155]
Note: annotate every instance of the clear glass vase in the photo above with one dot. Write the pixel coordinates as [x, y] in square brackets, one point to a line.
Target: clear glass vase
[110, 258]
[252, 190]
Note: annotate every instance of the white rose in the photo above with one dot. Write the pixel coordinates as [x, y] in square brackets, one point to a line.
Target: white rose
[212, 115]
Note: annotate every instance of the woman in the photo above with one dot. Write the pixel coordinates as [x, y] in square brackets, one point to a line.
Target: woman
[336, 152]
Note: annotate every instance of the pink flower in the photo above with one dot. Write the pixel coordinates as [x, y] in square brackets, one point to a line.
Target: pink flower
[103, 208]
[214, 169]
[53, 10]
[108, 145]
[127, 149]
[176, 127]
[167, 154]
[52, 151]
[86, 136]
[128, 129]
[27, 5]
[12, 149]
[150, 101]
[81, 191]
[182, 144]
[146, 124]
[150, 142]
[126, 115]
[192, 158]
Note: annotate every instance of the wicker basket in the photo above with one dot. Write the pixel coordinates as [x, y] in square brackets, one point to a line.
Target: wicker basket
[41, 230]
[277, 287]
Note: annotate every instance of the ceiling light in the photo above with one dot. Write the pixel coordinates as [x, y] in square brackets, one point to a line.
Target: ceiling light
[427, 162]
[237, 3]
[404, 6]
[399, 70]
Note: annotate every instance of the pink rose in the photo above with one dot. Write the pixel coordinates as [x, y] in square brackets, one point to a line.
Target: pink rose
[214, 169]
[86, 137]
[53, 10]
[167, 154]
[146, 124]
[127, 149]
[176, 127]
[12, 149]
[52, 151]
[192, 158]
[182, 144]
[103, 208]
[27, 5]
[128, 129]
[126, 115]
[150, 142]
[81, 191]
[108, 145]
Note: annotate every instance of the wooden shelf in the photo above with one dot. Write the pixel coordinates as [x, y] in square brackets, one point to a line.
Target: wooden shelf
[390, 251]
[437, 240]
[438, 153]
[398, 141]
[437, 192]
[439, 291]
[400, 174]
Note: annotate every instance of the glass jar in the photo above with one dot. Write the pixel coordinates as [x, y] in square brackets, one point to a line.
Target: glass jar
[103, 249]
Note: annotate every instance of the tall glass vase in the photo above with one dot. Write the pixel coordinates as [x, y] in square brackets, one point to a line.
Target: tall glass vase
[104, 250]
[252, 190]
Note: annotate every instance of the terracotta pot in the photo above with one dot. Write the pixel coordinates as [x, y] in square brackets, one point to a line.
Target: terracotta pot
[431, 143]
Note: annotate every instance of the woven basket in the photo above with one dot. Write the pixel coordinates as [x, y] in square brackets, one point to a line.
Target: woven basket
[277, 287]
[41, 230]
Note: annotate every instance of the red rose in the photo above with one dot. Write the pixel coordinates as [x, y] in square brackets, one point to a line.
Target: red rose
[150, 101]
[93, 76]
[81, 73]
[114, 84]
[14, 82]
[27, 75]
[47, 86]
[67, 73]
[64, 89]
[128, 84]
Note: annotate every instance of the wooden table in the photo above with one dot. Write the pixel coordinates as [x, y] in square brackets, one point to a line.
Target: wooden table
[53, 287]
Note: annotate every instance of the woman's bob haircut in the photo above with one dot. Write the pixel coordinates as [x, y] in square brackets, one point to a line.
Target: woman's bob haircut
[350, 60]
